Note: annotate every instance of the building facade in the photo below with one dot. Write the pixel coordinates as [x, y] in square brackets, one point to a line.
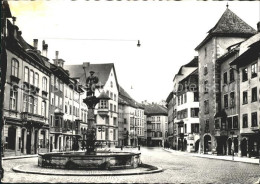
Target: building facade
[247, 64]
[170, 108]
[229, 30]
[188, 113]
[26, 110]
[106, 112]
[157, 124]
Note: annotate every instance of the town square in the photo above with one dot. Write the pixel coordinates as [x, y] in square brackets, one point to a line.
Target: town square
[130, 92]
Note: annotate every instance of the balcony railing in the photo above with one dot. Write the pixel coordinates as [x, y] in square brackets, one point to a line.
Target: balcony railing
[103, 112]
[26, 116]
[56, 129]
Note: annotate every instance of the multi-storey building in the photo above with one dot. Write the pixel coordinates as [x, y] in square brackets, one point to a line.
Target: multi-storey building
[26, 96]
[157, 124]
[227, 119]
[64, 108]
[107, 90]
[229, 30]
[132, 118]
[170, 107]
[247, 64]
[188, 113]
[183, 72]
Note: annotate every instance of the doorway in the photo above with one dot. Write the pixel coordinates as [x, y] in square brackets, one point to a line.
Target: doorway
[23, 137]
[11, 138]
[207, 143]
[35, 141]
[28, 142]
[243, 147]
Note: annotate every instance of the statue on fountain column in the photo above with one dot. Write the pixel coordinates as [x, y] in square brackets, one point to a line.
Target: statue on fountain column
[91, 84]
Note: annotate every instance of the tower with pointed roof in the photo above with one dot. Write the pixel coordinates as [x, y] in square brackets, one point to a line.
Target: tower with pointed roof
[229, 30]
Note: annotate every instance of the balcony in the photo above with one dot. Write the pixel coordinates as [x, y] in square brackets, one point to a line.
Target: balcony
[26, 116]
[66, 131]
[15, 79]
[56, 130]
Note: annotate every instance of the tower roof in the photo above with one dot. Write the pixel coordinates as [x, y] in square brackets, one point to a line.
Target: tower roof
[229, 24]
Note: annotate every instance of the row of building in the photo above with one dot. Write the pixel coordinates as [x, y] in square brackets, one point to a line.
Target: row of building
[43, 107]
[214, 106]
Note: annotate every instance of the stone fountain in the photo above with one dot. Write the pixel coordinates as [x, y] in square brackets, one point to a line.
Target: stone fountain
[91, 159]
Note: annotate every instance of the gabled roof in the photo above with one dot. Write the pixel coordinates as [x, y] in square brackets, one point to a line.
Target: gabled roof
[193, 63]
[248, 56]
[155, 109]
[103, 95]
[229, 24]
[170, 96]
[102, 71]
[126, 99]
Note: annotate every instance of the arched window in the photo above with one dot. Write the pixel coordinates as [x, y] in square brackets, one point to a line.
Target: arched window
[15, 67]
[31, 77]
[26, 74]
[44, 84]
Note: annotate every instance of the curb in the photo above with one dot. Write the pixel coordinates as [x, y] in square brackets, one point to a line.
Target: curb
[157, 170]
[19, 157]
[201, 156]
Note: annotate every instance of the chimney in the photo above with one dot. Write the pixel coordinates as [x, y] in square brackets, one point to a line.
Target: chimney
[57, 55]
[35, 43]
[258, 27]
[14, 19]
[44, 48]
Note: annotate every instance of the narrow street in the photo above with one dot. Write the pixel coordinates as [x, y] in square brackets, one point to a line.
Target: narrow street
[178, 168]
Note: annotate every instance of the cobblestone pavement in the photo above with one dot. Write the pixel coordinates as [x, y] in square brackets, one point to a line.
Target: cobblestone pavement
[178, 168]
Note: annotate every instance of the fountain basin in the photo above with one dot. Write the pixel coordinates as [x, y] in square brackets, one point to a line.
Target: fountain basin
[81, 160]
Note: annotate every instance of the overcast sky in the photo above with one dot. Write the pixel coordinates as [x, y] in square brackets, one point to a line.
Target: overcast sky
[168, 32]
